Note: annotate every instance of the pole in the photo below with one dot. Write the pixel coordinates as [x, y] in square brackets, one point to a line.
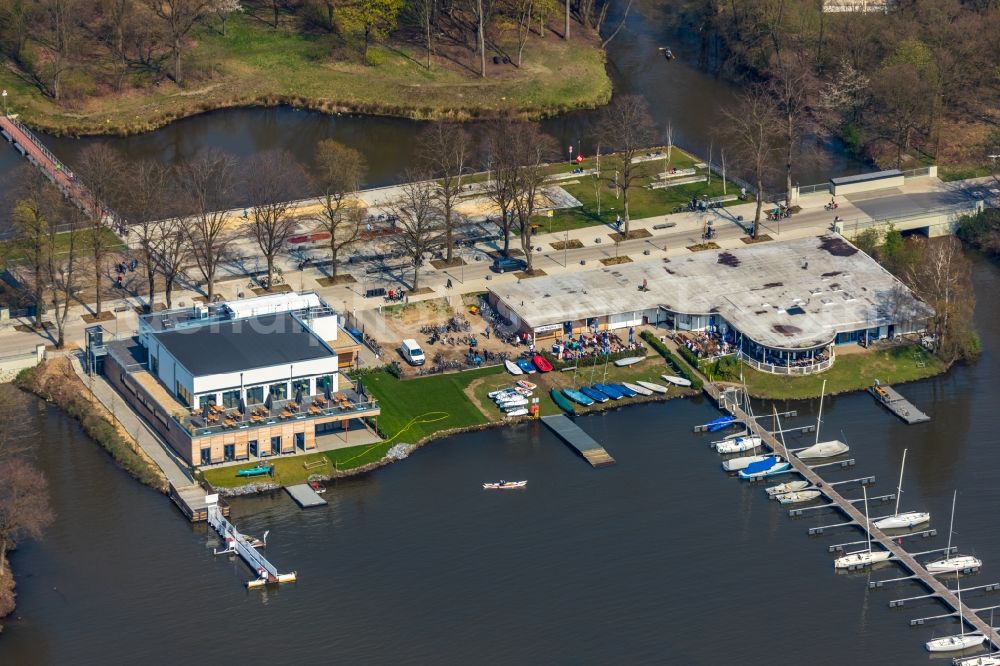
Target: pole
[566, 250]
[4, 93]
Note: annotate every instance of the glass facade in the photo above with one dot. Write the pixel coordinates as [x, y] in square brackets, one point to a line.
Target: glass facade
[255, 395]
[231, 399]
[207, 399]
[278, 391]
[300, 385]
[322, 382]
[276, 445]
[183, 395]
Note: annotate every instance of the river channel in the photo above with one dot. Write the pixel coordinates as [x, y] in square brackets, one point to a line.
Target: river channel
[659, 559]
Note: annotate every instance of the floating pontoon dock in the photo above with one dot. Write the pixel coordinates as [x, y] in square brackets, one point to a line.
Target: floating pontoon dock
[571, 433]
[239, 543]
[897, 404]
[305, 496]
[900, 555]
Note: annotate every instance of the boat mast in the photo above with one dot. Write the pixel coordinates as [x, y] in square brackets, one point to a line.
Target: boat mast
[868, 526]
[961, 616]
[819, 417]
[951, 525]
[899, 488]
[781, 432]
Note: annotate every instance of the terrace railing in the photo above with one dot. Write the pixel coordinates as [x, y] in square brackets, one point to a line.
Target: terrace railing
[793, 370]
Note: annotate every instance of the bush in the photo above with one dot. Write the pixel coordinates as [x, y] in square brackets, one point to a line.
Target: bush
[688, 355]
[679, 366]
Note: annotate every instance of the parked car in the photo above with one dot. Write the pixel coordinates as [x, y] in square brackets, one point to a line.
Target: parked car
[507, 264]
[412, 352]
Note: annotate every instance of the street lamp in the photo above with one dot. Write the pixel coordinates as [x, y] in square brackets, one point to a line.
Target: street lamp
[4, 95]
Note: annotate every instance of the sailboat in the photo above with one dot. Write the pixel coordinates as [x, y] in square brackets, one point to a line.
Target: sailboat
[950, 562]
[863, 558]
[799, 496]
[981, 660]
[738, 444]
[777, 491]
[822, 449]
[907, 519]
[962, 641]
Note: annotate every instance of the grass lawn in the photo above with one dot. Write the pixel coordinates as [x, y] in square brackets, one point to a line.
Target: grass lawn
[850, 372]
[256, 64]
[13, 251]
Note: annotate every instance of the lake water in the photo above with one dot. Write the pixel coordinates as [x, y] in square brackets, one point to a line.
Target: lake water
[659, 559]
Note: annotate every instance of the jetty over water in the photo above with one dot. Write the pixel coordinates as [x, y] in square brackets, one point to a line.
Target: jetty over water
[900, 555]
[571, 433]
[897, 404]
[239, 543]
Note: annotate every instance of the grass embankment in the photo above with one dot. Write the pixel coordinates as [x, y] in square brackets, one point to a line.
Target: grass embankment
[15, 251]
[55, 381]
[850, 372]
[254, 64]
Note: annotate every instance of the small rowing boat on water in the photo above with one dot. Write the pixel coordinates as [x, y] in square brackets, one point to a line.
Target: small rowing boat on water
[823, 450]
[525, 384]
[512, 367]
[526, 366]
[637, 388]
[655, 388]
[737, 464]
[561, 401]
[631, 360]
[784, 488]
[610, 391]
[317, 487]
[542, 363]
[799, 496]
[769, 467]
[504, 485]
[594, 394]
[720, 423]
[625, 391]
[677, 381]
[578, 397]
[738, 445]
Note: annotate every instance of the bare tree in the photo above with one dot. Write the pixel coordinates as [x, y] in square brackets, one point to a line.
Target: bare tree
[225, 8]
[24, 505]
[481, 10]
[147, 185]
[501, 187]
[36, 202]
[339, 173]
[100, 167]
[627, 126]
[941, 275]
[179, 18]
[271, 179]
[751, 135]
[207, 181]
[531, 149]
[419, 221]
[791, 84]
[171, 253]
[61, 266]
[445, 150]
[59, 35]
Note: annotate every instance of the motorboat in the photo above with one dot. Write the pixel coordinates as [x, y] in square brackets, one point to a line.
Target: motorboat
[625, 391]
[962, 641]
[527, 367]
[561, 401]
[317, 487]
[907, 519]
[953, 563]
[638, 389]
[823, 450]
[655, 388]
[981, 660]
[504, 485]
[542, 363]
[738, 445]
[863, 558]
[769, 467]
[525, 384]
[630, 360]
[677, 381]
[799, 496]
[578, 397]
[512, 367]
[785, 488]
[610, 391]
[741, 463]
[594, 394]
[720, 423]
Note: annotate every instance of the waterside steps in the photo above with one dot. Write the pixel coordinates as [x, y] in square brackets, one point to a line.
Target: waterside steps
[242, 545]
[897, 404]
[571, 433]
[856, 518]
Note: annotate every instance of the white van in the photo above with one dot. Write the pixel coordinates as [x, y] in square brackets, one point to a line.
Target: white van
[412, 352]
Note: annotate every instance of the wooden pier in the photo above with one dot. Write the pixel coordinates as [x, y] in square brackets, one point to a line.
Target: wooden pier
[305, 496]
[897, 404]
[191, 501]
[571, 433]
[900, 555]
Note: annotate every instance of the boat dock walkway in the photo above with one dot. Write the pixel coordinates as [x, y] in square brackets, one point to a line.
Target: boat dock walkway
[897, 404]
[305, 496]
[900, 555]
[571, 433]
[239, 543]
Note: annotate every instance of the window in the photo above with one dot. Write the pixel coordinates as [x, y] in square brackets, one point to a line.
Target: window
[300, 440]
[184, 395]
[252, 446]
[255, 395]
[278, 391]
[324, 382]
[206, 456]
[276, 444]
[228, 452]
[300, 385]
[231, 399]
[207, 399]
[154, 365]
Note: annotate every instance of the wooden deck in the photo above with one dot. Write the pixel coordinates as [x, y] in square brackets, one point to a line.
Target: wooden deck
[191, 501]
[897, 404]
[901, 556]
[571, 433]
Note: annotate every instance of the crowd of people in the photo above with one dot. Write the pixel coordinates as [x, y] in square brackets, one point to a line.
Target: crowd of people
[600, 343]
[705, 344]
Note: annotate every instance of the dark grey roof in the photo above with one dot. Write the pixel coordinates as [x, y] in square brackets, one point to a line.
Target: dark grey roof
[243, 344]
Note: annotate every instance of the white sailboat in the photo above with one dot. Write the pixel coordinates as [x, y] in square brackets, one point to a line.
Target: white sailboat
[822, 449]
[784, 488]
[863, 558]
[962, 641]
[799, 496]
[981, 660]
[512, 367]
[953, 563]
[741, 463]
[738, 444]
[907, 519]
[655, 388]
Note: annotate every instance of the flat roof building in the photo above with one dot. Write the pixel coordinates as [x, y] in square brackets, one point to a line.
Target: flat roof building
[778, 300]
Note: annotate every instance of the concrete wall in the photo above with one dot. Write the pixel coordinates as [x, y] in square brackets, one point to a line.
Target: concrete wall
[10, 366]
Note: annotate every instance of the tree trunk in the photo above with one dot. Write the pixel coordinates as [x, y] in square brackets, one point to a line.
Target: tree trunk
[625, 207]
[760, 205]
[416, 272]
[97, 270]
[566, 29]
[482, 42]
[428, 33]
[168, 290]
[270, 272]
[448, 236]
[526, 246]
[275, 6]
[151, 277]
[364, 56]
[790, 138]
[333, 259]
[177, 60]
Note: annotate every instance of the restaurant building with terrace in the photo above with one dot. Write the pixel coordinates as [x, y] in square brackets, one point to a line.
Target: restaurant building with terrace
[782, 306]
[245, 380]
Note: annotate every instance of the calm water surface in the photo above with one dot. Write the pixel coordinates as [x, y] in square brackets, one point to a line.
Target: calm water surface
[660, 559]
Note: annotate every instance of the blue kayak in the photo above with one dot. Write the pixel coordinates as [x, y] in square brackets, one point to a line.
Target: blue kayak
[578, 397]
[594, 394]
[526, 366]
[720, 423]
[624, 390]
[610, 391]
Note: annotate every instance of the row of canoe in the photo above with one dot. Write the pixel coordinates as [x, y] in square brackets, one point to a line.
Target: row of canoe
[600, 393]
